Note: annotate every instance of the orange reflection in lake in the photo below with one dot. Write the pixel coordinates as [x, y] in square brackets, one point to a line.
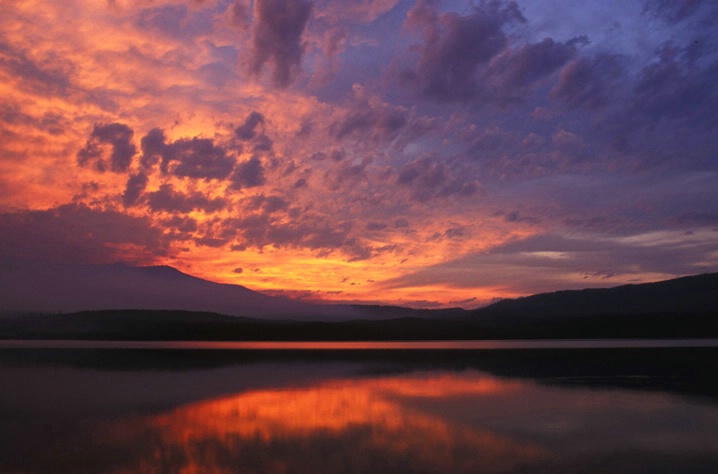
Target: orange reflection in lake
[365, 425]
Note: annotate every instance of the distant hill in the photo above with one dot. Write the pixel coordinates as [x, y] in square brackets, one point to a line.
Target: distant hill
[187, 325]
[681, 307]
[31, 287]
[686, 295]
[124, 302]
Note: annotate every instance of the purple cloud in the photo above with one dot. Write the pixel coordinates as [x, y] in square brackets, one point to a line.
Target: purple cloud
[541, 263]
[253, 130]
[241, 13]
[196, 158]
[591, 82]
[183, 225]
[512, 72]
[178, 22]
[454, 46]
[268, 204]
[39, 76]
[377, 122]
[346, 173]
[277, 37]
[671, 88]
[136, 184]
[674, 11]
[76, 233]
[169, 200]
[248, 174]
[261, 230]
[428, 177]
[247, 130]
[153, 146]
[375, 226]
[119, 138]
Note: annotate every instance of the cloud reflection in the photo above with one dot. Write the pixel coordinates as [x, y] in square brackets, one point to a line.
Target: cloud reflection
[341, 425]
[428, 421]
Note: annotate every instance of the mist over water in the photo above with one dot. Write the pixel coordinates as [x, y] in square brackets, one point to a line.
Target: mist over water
[495, 411]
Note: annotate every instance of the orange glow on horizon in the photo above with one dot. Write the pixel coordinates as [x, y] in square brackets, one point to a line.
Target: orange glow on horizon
[339, 163]
[109, 70]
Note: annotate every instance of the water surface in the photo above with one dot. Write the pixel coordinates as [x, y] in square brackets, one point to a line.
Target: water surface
[444, 410]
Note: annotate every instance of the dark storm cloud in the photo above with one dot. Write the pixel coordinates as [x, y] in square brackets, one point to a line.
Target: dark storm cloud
[119, 137]
[277, 37]
[76, 233]
[454, 46]
[135, 185]
[247, 130]
[169, 200]
[248, 174]
[196, 158]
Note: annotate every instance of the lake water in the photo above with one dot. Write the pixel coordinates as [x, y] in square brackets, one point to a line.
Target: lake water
[349, 409]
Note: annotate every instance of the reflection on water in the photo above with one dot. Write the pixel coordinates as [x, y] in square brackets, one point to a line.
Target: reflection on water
[338, 426]
[343, 416]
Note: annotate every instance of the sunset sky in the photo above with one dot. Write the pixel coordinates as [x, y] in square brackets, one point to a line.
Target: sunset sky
[420, 153]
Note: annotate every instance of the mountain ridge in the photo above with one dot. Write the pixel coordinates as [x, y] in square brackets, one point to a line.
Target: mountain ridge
[688, 294]
[32, 287]
[29, 287]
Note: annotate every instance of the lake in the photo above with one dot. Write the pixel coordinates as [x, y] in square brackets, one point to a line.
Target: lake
[499, 408]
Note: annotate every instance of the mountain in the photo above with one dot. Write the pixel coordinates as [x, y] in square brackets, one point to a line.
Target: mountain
[685, 295]
[125, 302]
[33, 287]
[682, 307]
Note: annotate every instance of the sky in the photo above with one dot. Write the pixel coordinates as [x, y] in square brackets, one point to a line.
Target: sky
[420, 153]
